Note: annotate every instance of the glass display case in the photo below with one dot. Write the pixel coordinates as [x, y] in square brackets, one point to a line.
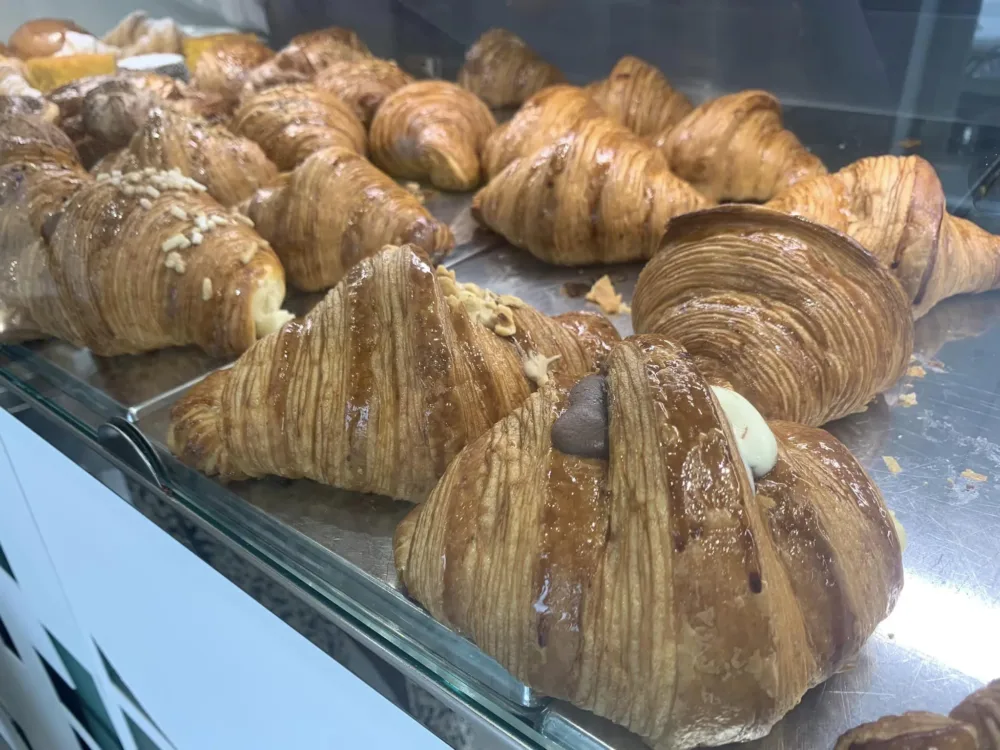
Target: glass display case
[855, 79]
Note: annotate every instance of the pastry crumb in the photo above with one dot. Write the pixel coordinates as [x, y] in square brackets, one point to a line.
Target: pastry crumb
[908, 399]
[892, 464]
[974, 476]
[916, 371]
[604, 295]
[536, 367]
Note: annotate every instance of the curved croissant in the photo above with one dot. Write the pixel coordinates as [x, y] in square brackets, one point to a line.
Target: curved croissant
[135, 262]
[231, 167]
[638, 96]
[598, 195]
[545, 117]
[381, 385]
[735, 148]
[895, 207]
[293, 121]
[138, 34]
[362, 84]
[974, 724]
[502, 70]
[223, 68]
[432, 130]
[361, 211]
[797, 318]
[305, 56]
[651, 584]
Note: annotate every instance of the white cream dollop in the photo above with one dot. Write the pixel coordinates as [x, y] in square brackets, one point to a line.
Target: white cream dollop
[754, 439]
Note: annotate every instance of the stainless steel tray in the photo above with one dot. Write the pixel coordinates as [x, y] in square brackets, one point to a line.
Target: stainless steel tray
[935, 648]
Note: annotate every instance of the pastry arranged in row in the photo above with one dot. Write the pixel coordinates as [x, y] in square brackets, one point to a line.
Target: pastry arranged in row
[642, 543]
[383, 382]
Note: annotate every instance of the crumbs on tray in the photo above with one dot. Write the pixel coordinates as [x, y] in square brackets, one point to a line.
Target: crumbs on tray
[916, 371]
[892, 464]
[974, 476]
[604, 295]
[908, 399]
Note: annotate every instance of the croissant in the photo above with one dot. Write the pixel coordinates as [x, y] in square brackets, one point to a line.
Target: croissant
[305, 56]
[293, 121]
[362, 212]
[598, 195]
[545, 117]
[796, 317]
[607, 546]
[735, 148]
[638, 96]
[232, 168]
[382, 383]
[502, 70]
[138, 34]
[433, 130]
[223, 68]
[974, 724]
[363, 84]
[895, 207]
[136, 262]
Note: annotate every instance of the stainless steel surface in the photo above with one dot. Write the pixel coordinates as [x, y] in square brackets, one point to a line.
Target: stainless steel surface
[935, 648]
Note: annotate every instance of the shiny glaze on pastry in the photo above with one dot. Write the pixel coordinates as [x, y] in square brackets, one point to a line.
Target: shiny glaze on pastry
[305, 56]
[223, 68]
[797, 318]
[381, 384]
[335, 209]
[363, 84]
[655, 588]
[432, 130]
[502, 70]
[599, 194]
[638, 96]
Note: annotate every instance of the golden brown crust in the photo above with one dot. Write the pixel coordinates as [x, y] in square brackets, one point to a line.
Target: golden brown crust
[223, 68]
[30, 139]
[981, 710]
[597, 195]
[363, 210]
[796, 317]
[305, 56]
[432, 130]
[895, 207]
[41, 37]
[377, 388]
[545, 117]
[291, 122]
[502, 70]
[138, 34]
[735, 148]
[915, 730]
[363, 84]
[654, 587]
[638, 96]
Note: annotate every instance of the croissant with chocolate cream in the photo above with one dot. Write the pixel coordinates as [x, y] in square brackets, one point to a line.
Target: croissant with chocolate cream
[363, 210]
[382, 383]
[796, 317]
[895, 207]
[644, 545]
[502, 70]
[638, 96]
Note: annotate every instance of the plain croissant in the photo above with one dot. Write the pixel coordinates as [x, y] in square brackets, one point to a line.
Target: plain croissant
[138, 34]
[597, 195]
[233, 168]
[638, 96]
[502, 70]
[797, 318]
[432, 130]
[607, 547]
[223, 68]
[736, 148]
[381, 385]
[974, 724]
[336, 209]
[134, 262]
[895, 207]
[363, 84]
[545, 117]
[291, 122]
[305, 56]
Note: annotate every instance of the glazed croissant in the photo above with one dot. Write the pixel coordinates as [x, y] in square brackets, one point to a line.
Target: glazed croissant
[135, 262]
[231, 167]
[796, 317]
[305, 56]
[362, 211]
[544, 118]
[502, 70]
[381, 385]
[597, 195]
[606, 545]
[362, 84]
[432, 130]
[735, 148]
[638, 96]
[293, 121]
[223, 68]
[974, 724]
[895, 207]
